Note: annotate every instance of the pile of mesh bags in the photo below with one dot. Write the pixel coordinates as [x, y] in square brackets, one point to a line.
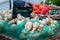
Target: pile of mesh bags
[28, 29]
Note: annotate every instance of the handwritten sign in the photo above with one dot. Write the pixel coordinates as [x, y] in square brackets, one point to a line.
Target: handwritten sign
[24, 11]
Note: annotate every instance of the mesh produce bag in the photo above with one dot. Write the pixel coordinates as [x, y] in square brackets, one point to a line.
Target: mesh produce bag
[1, 27]
[20, 27]
[19, 31]
[6, 28]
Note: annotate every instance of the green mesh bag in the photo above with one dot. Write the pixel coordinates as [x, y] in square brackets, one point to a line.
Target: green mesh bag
[19, 32]
[24, 34]
[48, 31]
[6, 28]
[20, 27]
[51, 30]
[3, 17]
[33, 21]
[13, 31]
[58, 24]
[35, 36]
[1, 27]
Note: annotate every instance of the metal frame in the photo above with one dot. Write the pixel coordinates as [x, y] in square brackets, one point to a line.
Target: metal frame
[10, 3]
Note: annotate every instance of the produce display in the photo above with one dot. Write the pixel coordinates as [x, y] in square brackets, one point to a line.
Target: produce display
[53, 2]
[27, 28]
[55, 12]
[40, 9]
